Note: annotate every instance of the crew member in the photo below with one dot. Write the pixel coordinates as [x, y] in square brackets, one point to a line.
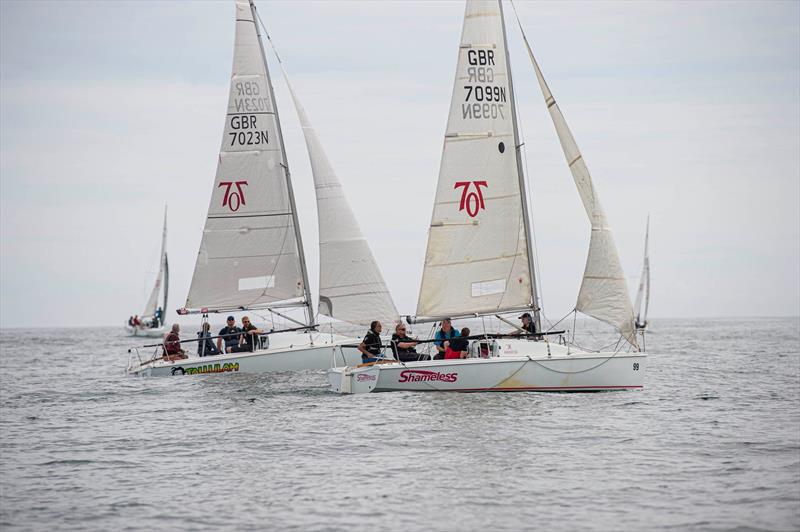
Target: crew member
[172, 344]
[403, 346]
[228, 334]
[205, 346]
[247, 340]
[370, 347]
[528, 327]
[445, 333]
[457, 347]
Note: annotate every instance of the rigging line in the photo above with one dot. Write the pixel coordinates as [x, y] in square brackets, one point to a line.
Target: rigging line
[539, 303]
[286, 170]
[574, 323]
[588, 350]
[513, 262]
[271, 44]
[306, 289]
[574, 372]
[559, 321]
[534, 247]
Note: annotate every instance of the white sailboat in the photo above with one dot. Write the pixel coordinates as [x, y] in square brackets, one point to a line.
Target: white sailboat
[151, 320]
[479, 259]
[251, 255]
[643, 294]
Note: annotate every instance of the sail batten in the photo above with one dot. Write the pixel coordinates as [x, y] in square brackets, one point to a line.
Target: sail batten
[477, 258]
[604, 291]
[251, 250]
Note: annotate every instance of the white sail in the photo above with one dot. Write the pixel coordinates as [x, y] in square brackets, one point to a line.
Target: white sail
[477, 257]
[604, 290]
[161, 279]
[643, 294]
[249, 254]
[351, 287]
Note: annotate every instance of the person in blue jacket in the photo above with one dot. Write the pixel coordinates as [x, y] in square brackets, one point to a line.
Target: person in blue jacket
[447, 332]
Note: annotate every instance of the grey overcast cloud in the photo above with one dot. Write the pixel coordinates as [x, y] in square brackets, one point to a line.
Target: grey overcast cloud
[685, 111]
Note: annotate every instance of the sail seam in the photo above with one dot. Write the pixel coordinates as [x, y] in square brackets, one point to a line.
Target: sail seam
[256, 113]
[474, 261]
[225, 217]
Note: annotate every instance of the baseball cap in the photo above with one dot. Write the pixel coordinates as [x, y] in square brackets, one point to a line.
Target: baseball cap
[526, 315]
[231, 318]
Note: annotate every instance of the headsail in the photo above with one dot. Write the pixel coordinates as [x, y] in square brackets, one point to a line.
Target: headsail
[604, 290]
[351, 287]
[162, 278]
[250, 254]
[477, 259]
[643, 294]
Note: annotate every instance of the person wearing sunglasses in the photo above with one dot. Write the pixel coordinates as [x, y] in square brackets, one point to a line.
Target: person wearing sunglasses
[403, 346]
[247, 341]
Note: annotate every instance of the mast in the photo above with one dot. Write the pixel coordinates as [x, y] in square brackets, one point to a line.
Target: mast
[165, 263]
[522, 183]
[300, 250]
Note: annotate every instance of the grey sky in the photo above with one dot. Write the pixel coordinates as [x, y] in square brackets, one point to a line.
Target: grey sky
[688, 111]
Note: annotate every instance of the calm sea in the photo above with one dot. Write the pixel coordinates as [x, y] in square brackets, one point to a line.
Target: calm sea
[712, 443]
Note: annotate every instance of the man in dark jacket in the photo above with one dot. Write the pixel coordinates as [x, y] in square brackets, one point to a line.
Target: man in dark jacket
[230, 335]
[403, 346]
[370, 347]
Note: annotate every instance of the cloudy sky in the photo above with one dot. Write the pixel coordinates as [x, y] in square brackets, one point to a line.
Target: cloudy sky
[687, 111]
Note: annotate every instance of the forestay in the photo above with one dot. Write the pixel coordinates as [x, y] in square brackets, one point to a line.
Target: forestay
[604, 290]
[249, 254]
[162, 278]
[351, 287]
[643, 294]
[477, 257]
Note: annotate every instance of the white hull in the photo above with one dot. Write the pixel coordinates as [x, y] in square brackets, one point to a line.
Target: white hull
[146, 332]
[515, 365]
[287, 352]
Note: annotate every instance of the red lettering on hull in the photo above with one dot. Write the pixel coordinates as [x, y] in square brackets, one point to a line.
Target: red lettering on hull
[421, 375]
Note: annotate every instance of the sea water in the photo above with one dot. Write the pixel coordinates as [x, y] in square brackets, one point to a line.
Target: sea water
[711, 443]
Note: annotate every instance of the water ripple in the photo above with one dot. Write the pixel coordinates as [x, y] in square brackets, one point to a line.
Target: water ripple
[712, 443]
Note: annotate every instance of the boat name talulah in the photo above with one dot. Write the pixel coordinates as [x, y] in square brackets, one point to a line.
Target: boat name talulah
[210, 368]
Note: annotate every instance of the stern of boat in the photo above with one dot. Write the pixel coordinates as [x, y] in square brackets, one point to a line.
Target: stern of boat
[349, 380]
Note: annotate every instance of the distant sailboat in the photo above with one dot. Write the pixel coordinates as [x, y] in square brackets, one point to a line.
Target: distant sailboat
[151, 320]
[251, 255]
[643, 294]
[479, 260]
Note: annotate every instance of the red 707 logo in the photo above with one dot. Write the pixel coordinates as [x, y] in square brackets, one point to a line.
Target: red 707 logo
[236, 197]
[471, 200]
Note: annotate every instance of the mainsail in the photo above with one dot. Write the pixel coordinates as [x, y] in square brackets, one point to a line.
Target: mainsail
[604, 290]
[643, 294]
[351, 287]
[162, 278]
[478, 256]
[251, 252]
